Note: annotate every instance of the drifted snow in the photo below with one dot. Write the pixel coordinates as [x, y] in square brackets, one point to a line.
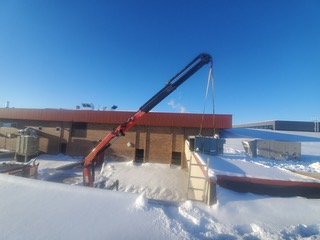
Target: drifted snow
[154, 180]
[33, 209]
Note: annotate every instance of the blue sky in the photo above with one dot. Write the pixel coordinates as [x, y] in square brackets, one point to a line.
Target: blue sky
[59, 54]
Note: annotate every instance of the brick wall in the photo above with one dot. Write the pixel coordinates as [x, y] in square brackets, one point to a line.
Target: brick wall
[51, 134]
[157, 143]
[5, 141]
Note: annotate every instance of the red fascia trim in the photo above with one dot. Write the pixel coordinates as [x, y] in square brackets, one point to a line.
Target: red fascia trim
[261, 181]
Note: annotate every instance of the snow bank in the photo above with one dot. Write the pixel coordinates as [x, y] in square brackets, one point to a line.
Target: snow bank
[33, 209]
[156, 181]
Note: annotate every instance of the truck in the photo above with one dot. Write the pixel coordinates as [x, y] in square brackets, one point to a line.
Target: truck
[96, 156]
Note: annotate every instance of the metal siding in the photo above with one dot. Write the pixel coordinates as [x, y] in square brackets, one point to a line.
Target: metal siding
[117, 117]
[281, 125]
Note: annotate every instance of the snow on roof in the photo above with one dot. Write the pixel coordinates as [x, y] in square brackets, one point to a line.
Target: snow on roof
[33, 209]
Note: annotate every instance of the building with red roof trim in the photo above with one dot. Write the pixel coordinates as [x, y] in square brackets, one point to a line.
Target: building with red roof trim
[158, 137]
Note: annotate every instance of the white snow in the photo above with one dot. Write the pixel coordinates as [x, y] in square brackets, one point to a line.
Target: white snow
[156, 181]
[151, 204]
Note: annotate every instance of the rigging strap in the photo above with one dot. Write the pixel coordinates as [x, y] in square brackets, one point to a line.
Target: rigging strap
[210, 80]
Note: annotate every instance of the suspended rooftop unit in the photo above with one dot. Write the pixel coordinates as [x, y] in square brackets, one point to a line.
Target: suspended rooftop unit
[209, 145]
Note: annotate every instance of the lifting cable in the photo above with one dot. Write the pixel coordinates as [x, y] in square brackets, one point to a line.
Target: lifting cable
[210, 80]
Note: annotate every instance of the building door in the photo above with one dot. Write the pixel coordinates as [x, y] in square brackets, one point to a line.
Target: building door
[63, 148]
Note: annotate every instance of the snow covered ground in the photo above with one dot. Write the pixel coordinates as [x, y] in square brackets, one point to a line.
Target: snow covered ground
[33, 209]
[310, 148]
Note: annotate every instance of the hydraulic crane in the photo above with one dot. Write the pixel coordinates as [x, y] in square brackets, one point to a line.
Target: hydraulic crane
[93, 158]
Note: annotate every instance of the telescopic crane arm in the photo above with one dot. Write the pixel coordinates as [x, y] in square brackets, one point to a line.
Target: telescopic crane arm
[91, 160]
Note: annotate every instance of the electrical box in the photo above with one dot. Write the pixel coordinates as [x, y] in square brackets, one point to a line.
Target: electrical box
[27, 145]
[250, 147]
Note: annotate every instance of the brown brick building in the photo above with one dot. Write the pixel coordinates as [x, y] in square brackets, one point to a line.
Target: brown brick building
[158, 137]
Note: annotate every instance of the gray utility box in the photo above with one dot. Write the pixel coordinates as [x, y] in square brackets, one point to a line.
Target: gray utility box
[273, 149]
[250, 147]
[27, 145]
[208, 145]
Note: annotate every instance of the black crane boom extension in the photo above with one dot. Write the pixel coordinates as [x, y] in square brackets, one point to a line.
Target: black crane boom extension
[177, 80]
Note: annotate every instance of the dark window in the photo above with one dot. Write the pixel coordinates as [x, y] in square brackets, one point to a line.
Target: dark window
[79, 129]
[79, 125]
[8, 124]
[139, 156]
[176, 158]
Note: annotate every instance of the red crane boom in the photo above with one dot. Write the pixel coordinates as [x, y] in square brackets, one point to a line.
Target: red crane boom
[92, 159]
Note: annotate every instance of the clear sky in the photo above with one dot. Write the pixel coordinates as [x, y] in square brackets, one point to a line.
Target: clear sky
[61, 53]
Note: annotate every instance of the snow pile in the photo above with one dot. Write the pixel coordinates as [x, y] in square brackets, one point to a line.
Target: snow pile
[141, 203]
[33, 209]
[302, 231]
[315, 167]
[60, 171]
[188, 211]
[156, 181]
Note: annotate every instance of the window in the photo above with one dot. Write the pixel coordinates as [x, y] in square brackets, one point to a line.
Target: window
[79, 125]
[176, 158]
[8, 124]
[139, 156]
[79, 129]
